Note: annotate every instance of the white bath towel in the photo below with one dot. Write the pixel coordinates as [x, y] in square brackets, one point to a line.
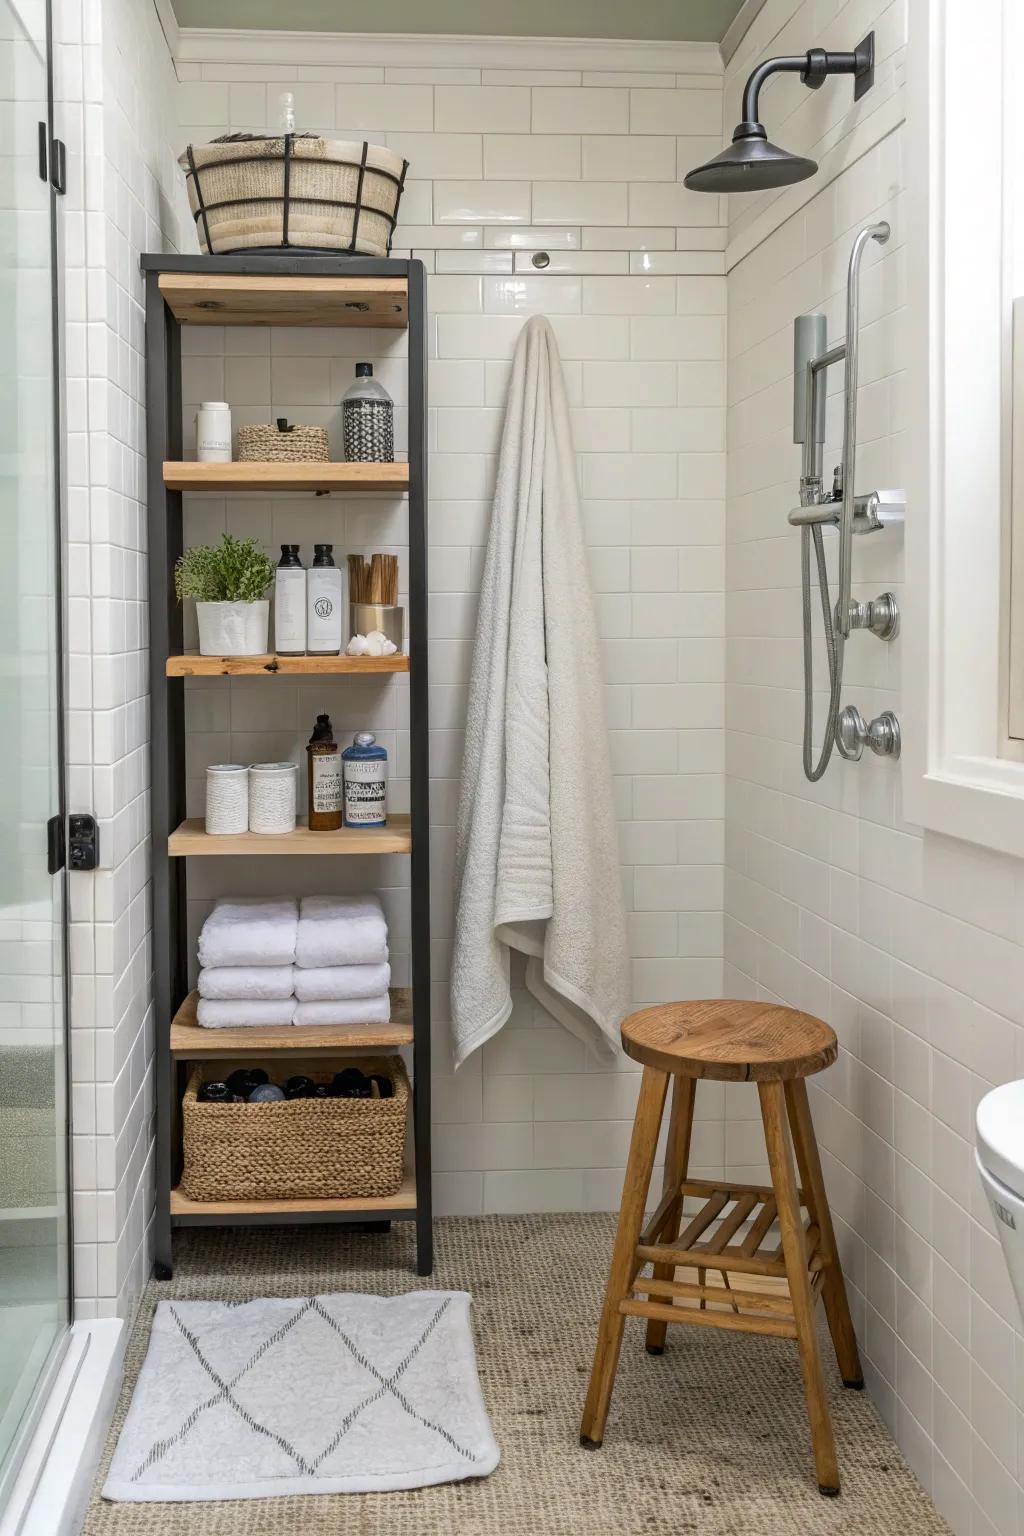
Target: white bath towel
[537, 864]
[341, 930]
[250, 930]
[353, 1010]
[248, 982]
[241, 1013]
[334, 983]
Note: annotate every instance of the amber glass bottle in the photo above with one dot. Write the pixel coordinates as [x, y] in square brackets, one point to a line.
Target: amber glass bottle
[324, 777]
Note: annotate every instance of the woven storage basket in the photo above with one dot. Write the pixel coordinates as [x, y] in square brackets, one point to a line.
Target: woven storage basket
[291, 190]
[314, 1149]
[270, 445]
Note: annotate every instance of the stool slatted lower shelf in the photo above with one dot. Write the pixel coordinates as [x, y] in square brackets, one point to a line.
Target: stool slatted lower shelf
[749, 1257]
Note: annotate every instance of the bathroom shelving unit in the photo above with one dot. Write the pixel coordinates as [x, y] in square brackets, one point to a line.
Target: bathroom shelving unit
[276, 290]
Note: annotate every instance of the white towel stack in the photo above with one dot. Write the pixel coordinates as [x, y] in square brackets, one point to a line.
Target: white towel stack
[247, 951]
[266, 963]
[342, 973]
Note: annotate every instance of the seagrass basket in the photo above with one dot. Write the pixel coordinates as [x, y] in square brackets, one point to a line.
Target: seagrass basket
[282, 444]
[314, 1149]
[293, 191]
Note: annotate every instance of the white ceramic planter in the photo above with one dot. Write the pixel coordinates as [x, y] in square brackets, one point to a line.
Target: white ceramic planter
[233, 629]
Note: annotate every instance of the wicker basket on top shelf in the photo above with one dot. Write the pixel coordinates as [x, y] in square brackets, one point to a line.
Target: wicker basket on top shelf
[293, 191]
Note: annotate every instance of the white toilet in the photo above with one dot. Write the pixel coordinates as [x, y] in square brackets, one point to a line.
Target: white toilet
[1000, 1159]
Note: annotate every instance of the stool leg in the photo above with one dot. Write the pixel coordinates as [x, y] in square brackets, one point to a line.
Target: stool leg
[642, 1147]
[837, 1307]
[780, 1161]
[677, 1157]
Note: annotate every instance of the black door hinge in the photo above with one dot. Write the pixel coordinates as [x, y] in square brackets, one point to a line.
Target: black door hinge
[53, 160]
[55, 849]
[83, 841]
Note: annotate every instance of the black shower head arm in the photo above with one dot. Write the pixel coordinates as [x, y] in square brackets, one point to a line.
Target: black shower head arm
[813, 67]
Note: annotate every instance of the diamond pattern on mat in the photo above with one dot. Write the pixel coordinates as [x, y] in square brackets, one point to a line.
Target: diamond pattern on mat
[310, 1463]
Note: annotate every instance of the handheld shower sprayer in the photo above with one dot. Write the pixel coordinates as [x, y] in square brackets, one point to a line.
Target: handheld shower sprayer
[842, 509]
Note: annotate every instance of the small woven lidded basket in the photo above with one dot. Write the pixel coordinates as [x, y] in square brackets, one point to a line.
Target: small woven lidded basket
[282, 443]
[295, 1149]
[252, 191]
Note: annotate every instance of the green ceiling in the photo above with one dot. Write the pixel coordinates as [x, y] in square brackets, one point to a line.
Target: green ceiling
[644, 20]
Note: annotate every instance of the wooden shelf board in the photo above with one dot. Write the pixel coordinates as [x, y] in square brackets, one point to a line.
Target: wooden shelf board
[190, 1041]
[191, 840]
[221, 298]
[404, 1200]
[190, 475]
[191, 664]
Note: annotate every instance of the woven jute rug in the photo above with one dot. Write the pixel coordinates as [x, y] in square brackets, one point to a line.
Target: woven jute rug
[711, 1437]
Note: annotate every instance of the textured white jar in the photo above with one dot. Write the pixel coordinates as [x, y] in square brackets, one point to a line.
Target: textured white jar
[227, 799]
[213, 432]
[272, 796]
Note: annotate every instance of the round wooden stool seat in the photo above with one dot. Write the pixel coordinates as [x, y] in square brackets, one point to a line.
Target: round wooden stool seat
[730, 1041]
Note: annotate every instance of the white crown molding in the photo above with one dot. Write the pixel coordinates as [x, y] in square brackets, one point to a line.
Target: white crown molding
[740, 26]
[169, 25]
[211, 45]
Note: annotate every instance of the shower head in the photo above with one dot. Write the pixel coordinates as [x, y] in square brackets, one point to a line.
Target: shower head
[751, 163]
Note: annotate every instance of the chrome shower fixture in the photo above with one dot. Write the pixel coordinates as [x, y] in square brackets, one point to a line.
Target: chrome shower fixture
[751, 163]
[842, 509]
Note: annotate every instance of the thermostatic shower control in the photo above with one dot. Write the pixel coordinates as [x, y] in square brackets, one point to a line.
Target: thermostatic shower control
[854, 734]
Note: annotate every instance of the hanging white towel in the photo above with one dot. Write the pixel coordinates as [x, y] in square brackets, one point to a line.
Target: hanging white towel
[333, 983]
[248, 982]
[537, 848]
[250, 930]
[240, 1013]
[341, 930]
[353, 1010]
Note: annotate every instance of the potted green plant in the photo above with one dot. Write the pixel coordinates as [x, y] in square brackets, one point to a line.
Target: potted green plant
[227, 582]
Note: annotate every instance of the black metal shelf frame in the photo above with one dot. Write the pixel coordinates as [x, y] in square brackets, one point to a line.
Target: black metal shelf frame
[167, 731]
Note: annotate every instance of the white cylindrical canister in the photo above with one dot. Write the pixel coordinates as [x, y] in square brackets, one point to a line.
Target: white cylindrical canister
[213, 432]
[227, 799]
[272, 788]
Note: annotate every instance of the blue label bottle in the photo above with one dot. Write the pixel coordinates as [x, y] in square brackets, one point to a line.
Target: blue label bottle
[365, 770]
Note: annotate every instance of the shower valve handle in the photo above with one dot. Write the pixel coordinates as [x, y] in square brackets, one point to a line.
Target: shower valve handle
[853, 734]
[881, 616]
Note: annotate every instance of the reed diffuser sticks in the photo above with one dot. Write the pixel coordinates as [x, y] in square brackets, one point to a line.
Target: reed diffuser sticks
[373, 582]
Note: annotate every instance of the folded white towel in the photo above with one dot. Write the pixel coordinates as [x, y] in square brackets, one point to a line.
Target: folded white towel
[355, 1010]
[241, 1013]
[246, 982]
[333, 983]
[341, 930]
[250, 930]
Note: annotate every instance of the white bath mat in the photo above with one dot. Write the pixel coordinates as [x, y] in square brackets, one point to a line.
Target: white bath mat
[315, 1394]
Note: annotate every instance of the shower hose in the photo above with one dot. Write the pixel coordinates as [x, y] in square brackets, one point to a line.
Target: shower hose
[833, 650]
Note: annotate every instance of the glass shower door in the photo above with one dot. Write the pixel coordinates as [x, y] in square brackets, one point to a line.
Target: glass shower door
[34, 1289]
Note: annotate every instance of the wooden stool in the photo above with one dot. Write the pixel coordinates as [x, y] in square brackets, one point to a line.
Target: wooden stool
[776, 1048]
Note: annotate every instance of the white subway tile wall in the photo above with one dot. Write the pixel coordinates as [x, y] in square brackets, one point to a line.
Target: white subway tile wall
[500, 171]
[114, 90]
[910, 945]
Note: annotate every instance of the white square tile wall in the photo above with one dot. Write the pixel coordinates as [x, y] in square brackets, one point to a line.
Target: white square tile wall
[500, 170]
[910, 945]
[115, 101]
